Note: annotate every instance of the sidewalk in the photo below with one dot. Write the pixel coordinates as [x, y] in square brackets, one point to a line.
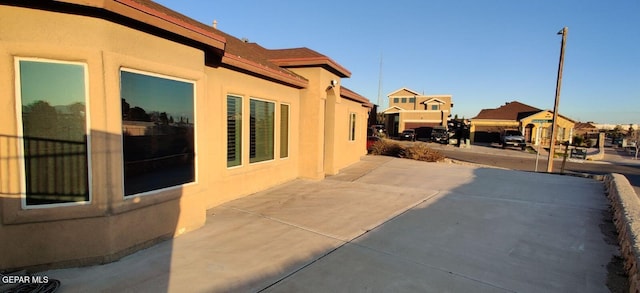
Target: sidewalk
[384, 225]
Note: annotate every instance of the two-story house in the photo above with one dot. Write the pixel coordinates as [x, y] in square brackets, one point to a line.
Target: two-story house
[409, 109]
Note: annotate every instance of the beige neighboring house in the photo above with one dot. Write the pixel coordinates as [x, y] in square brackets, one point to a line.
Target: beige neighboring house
[159, 118]
[409, 109]
[534, 123]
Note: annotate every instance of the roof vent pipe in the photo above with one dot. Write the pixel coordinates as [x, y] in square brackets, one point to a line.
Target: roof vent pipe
[215, 24]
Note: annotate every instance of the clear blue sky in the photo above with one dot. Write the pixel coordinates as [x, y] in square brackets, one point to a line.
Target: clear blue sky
[484, 53]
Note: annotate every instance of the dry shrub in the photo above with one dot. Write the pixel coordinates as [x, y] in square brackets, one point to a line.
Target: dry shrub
[420, 152]
[415, 151]
[385, 147]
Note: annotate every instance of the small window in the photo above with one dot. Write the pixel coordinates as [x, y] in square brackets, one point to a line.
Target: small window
[157, 132]
[435, 107]
[396, 100]
[404, 100]
[284, 131]
[352, 126]
[261, 131]
[234, 131]
[55, 149]
[412, 100]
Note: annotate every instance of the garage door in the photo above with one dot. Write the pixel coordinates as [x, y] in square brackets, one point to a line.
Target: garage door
[487, 134]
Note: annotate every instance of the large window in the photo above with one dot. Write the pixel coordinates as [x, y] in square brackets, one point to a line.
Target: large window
[53, 109]
[261, 131]
[157, 131]
[352, 126]
[284, 131]
[234, 131]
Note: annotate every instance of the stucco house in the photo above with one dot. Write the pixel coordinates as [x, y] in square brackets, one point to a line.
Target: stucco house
[534, 123]
[586, 129]
[125, 121]
[409, 109]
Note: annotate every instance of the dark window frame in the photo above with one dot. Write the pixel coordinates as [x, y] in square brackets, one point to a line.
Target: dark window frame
[234, 120]
[285, 129]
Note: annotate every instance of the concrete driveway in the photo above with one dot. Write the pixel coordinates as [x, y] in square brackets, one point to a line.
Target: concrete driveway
[384, 225]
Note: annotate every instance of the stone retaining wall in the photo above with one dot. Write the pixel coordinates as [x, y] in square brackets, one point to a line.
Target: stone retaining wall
[626, 216]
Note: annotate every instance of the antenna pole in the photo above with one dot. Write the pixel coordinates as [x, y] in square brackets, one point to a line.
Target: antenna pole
[380, 84]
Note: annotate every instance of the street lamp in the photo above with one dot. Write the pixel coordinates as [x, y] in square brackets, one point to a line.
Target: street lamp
[554, 125]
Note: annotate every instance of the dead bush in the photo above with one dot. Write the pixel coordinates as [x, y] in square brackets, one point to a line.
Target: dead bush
[415, 151]
[385, 147]
[421, 152]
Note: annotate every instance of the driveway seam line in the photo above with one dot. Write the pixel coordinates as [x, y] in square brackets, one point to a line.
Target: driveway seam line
[343, 241]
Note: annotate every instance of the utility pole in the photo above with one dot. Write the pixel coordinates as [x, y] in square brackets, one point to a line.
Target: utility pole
[554, 123]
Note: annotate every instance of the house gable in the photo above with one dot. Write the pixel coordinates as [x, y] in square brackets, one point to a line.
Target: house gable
[544, 115]
[403, 92]
[433, 101]
[393, 109]
[513, 111]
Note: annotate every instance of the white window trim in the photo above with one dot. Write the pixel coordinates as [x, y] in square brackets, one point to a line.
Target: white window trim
[195, 135]
[20, 140]
[249, 132]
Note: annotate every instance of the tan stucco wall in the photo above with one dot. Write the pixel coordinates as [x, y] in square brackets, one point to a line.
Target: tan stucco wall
[346, 152]
[445, 106]
[547, 115]
[225, 184]
[111, 226]
[325, 111]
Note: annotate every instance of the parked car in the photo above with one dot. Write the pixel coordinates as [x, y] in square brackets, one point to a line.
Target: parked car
[408, 134]
[371, 140]
[440, 134]
[512, 137]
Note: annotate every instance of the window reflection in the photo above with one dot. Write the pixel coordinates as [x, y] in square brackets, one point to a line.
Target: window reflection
[158, 132]
[261, 131]
[54, 132]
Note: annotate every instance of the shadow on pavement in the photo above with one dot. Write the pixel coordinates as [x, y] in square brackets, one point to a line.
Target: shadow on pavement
[392, 225]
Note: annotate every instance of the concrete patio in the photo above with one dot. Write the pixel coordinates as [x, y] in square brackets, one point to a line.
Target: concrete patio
[384, 225]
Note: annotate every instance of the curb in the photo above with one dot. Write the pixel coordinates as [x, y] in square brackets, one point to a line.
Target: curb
[625, 206]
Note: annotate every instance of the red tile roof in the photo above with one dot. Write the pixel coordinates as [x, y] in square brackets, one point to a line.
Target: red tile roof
[351, 95]
[156, 15]
[509, 111]
[253, 57]
[249, 57]
[302, 57]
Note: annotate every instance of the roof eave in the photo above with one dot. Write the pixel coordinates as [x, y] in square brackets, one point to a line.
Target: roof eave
[145, 14]
[313, 61]
[353, 96]
[256, 68]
